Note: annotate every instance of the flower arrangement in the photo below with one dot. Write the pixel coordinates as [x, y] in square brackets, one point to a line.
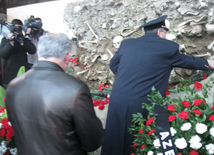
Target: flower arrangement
[101, 96]
[7, 143]
[191, 118]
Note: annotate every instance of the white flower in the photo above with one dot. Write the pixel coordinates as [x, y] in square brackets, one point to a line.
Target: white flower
[186, 126]
[181, 143]
[201, 128]
[156, 143]
[0, 125]
[13, 151]
[194, 139]
[150, 153]
[3, 148]
[210, 148]
[173, 131]
[212, 131]
[3, 143]
[196, 146]
[159, 153]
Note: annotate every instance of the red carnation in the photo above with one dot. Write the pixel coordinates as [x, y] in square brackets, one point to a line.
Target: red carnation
[101, 107]
[2, 132]
[101, 87]
[10, 133]
[141, 131]
[167, 91]
[135, 145]
[197, 102]
[72, 67]
[96, 103]
[172, 118]
[71, 60]
[9, 136]
[5, 122]
[211, 118]
[76, 64]
[213, 107]
[198, 85]
[102, 102]
[76, 59]
[106, 86]
[171, 107]
[107, 100]
[133, 154]
[151, 132]
[205, 76]
[183, 115]
[2, 110]
[194, 153]
[149, 121]
[186, 103]
[7, 153]
[197, 112]
[142, 147]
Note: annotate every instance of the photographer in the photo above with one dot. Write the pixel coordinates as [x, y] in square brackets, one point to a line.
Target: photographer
[13, 50]
[33, 30]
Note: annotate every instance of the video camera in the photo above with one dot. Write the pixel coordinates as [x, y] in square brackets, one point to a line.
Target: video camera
[35, 26]
[8, 28]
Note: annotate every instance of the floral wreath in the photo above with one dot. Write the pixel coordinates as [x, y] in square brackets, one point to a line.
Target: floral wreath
[191, 121]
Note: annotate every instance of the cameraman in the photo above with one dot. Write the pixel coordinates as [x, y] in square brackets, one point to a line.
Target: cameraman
[13, 50]
[33, 32]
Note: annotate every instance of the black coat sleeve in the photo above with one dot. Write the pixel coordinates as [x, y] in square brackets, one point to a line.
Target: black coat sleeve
[189, 62]
[29, 46]
[6, 49]
[87, 124]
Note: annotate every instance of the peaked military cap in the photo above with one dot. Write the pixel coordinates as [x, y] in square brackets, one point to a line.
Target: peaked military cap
[154, 24]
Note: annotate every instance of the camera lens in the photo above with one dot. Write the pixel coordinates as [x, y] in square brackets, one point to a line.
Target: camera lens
[17, 28]
[18, 37]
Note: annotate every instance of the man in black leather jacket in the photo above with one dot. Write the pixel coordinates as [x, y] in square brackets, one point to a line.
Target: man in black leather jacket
[52, 112]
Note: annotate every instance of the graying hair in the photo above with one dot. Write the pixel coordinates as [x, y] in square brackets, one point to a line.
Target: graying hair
[155, 30]
[54, 45]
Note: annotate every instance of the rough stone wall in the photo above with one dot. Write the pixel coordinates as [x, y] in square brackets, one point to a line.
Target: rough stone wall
[95, 23]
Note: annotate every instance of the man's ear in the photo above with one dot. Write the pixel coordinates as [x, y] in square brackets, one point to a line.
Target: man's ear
[67, 58]
[159, 33]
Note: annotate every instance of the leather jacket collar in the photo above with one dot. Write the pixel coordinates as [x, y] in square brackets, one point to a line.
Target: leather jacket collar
[47, 65]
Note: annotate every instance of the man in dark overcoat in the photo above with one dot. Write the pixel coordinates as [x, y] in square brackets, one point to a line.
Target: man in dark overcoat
[139, 64]
[14, 49]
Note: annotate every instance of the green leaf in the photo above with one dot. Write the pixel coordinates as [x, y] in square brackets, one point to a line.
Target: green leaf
[21, 71]
[2, 95]
[140, 115]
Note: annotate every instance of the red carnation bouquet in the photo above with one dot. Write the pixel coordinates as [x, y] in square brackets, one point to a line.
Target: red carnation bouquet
[101, 96]
[191, 119]
[7, 143]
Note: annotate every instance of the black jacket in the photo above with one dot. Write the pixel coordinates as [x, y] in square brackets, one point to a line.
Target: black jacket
[15, 57]
[139, 64]
[52, 113]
